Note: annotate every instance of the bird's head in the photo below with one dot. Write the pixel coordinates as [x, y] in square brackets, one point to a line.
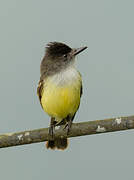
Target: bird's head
[61, 52]
[58, 56]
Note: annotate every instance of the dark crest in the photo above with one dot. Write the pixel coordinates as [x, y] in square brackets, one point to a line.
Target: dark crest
[57, 49]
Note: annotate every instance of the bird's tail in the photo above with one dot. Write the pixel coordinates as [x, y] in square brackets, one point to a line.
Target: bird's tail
[59, 143]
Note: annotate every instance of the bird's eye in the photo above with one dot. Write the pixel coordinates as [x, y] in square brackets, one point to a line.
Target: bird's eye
[65, 55]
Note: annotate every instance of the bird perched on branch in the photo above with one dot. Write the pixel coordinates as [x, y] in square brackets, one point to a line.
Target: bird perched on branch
[60, 88]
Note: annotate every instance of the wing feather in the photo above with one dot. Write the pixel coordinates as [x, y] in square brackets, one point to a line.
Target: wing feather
[40, 90]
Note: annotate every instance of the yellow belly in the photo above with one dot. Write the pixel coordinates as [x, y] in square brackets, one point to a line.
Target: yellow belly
[60, 101]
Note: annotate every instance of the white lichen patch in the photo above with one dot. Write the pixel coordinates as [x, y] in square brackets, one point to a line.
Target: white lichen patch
[57, 127]
[100, 129]
[20, 136]
[118, 120]
[27, 134]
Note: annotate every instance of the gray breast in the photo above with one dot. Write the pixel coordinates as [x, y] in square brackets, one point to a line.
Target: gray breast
[66, 77]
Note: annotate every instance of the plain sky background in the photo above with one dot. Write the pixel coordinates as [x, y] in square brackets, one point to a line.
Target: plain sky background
[107, 67]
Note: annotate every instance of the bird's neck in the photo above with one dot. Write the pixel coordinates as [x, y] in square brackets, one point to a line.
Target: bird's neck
[66, 76]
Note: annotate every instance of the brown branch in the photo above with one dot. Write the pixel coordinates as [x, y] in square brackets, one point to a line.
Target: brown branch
[78, 129]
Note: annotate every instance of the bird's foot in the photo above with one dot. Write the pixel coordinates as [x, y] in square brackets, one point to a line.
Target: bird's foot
[51, 131]
[68, 126]
[52, 128]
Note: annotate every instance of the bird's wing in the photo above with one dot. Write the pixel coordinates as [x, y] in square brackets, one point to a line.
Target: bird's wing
[40, 90]
[81, 87]
[81, 90]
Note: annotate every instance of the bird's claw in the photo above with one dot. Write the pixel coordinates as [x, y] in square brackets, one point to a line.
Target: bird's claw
[51, 131]
[68, 126]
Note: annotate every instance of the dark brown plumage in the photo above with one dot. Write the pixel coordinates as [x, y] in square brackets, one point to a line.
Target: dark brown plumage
[57, 49]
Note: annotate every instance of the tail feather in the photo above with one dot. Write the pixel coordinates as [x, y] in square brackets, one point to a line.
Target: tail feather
[50, 144]
[59, 143]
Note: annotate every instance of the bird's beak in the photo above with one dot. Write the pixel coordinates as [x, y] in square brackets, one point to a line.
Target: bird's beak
[79, 50]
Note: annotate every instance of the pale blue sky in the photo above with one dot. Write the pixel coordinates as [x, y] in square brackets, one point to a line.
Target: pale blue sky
[107, 67]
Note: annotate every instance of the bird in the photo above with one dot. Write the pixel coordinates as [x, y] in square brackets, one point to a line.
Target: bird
[60, 89]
